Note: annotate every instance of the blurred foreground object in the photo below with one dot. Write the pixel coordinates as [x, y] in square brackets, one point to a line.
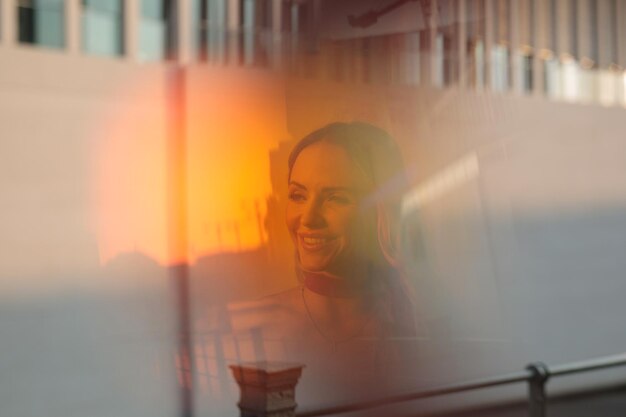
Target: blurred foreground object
[267, 388]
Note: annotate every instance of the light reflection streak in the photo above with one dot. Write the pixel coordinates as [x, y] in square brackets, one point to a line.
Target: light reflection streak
[452, 176]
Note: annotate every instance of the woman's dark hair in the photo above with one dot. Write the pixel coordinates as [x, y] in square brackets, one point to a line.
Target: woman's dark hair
[370, 147]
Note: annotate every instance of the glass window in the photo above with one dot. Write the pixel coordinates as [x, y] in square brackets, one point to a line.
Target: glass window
[475, 43]
[41, 22]
[248, 26]
[438, 76]
[413, 58]
[500, 67]
[526, 61]
[255, 20]
[199, 28]
[209, 30]
[102, 27]
[155, 37]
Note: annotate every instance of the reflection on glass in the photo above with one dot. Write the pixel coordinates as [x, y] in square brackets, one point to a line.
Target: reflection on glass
[255, 23]
[527, 72]
[41, 22]
[413, 58]
[102, 27]
[248, 31]
[155, 28]
[500, 68]
[438, 56]
[552, 74]
[478, 53]
[209, 30]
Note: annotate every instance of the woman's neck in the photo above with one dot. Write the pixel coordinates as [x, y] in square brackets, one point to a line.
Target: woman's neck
[339, 308]
[329, 285]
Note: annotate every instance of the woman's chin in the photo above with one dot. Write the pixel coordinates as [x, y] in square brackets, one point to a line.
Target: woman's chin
[314, 262]
[313, 267]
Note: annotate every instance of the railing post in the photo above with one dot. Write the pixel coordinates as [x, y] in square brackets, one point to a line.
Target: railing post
[537, 389]
[267, 388]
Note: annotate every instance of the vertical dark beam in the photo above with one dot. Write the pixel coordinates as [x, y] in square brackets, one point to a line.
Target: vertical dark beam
[515, 42]
[461, 42]
[202, 36]
[170, 19]
[177, 21]
[537, 389]
[177, 229]
[604, 39]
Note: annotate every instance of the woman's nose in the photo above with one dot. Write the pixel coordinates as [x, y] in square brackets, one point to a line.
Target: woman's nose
[312, 216]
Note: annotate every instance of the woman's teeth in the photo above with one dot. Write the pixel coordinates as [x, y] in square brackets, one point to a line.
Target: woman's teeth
[314, 240]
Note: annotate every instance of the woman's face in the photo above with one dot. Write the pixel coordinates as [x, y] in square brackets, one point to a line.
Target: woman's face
[323, 209]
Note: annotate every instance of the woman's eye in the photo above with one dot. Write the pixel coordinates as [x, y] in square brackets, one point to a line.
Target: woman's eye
[296, 196]
[341, 199]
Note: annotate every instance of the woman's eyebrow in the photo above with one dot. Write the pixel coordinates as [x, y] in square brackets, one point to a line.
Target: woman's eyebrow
[326, 189]
[297, 184]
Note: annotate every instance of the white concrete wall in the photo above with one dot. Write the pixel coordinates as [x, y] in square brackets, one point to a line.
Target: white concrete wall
[79, 334]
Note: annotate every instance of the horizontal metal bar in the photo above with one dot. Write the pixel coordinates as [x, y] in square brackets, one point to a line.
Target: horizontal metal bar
[589, 365]
[434, 392]
[567, 369]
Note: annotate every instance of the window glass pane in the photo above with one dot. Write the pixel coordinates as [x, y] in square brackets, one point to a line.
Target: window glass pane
[499, 66]
[248, 31]
[105, 6]
[209, 30]
[41, 22]
[152, 9]
[26, 22]
[108, 6]
[217, 29]
[102, 27]
[154, 31]
[152, 47]
[198, 11]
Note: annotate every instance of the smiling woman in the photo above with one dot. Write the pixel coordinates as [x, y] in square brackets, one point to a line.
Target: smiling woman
[323, 217]
[352, 306]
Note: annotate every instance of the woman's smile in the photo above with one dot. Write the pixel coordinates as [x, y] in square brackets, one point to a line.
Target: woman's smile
[315, 242]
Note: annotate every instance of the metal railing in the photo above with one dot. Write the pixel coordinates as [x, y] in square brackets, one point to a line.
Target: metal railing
[535, 374]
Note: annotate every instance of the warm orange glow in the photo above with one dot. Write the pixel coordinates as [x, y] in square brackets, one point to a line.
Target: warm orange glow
[233, 120]
[131, 176]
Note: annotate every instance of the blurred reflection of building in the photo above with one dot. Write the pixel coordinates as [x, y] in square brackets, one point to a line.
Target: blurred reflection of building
[61, 59]
[561, 49]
